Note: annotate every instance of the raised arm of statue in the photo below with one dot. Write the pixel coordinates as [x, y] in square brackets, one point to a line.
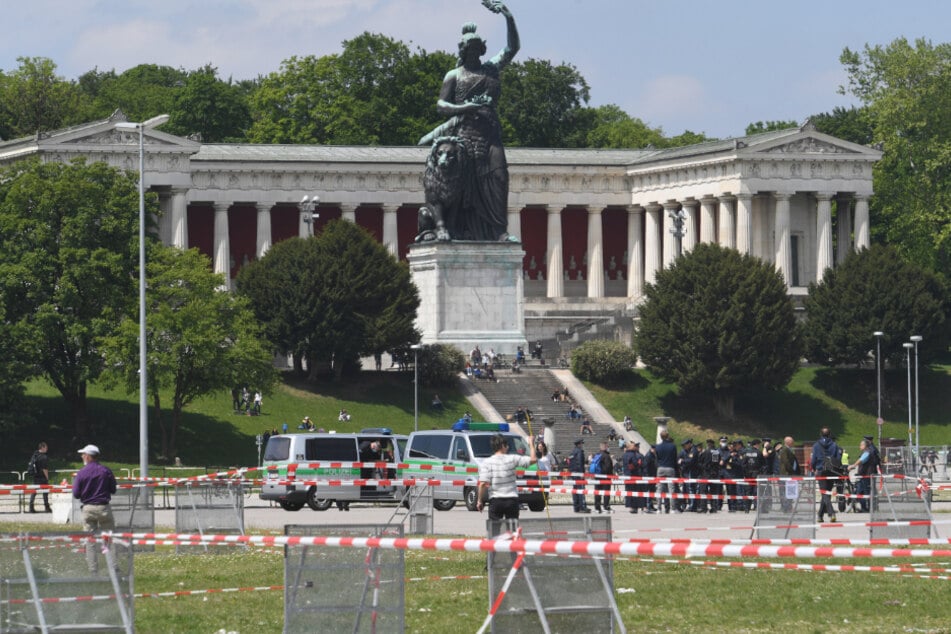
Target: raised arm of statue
[503, 57]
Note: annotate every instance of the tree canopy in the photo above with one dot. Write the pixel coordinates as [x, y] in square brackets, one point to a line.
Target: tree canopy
[332, 298]
[719, 323]
[199, 339]
[67, 234]
[906, 88]
[875, 290]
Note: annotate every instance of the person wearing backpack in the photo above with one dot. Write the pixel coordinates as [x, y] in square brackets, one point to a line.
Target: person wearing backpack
[825, 462]
[602, 465]
[39, 469]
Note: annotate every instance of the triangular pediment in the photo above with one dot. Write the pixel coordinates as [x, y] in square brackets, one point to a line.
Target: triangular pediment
[806, 141]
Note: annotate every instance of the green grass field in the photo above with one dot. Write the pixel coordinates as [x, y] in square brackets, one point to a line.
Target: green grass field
[652, 596]
[213, 436]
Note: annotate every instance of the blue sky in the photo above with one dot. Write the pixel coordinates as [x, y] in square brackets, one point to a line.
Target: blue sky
[707, 66]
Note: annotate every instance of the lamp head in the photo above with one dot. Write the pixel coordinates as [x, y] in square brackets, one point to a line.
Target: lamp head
[916, 338]
[878, 333]
[908, 346]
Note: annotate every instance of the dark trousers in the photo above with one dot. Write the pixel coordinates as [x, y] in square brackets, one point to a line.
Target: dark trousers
[45, 494]
[503, 508]
[603, 498]
[577, 499]
[863, 486]
[825, 504]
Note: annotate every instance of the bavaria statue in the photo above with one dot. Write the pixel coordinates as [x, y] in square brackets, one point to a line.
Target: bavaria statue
[466, 180]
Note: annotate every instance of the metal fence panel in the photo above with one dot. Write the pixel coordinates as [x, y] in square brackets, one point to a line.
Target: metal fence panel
[575, 594]
[215, 507]
[331, 589]
[133, 510]
[785, 509]
[36, 575]
[897, 500]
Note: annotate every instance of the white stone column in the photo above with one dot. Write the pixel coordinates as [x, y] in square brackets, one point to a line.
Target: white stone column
[690, 224]
[862, 236]
[264, 229]
[595, 253]
[515, 221]
[348, 212]
[823, 234]
[708, 219]
[652, 228]
[725, 233]
[843, 225]
[744, 223]
[669, 241]
[179, 237]
[390, 238]
[222, 242]
[635, 251]
[781, 240]
[556, 265]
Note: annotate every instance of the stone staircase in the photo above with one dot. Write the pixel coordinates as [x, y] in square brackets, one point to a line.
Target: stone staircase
[532, 389]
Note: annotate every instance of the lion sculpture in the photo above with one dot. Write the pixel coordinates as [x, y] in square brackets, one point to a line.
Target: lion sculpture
[444, 187]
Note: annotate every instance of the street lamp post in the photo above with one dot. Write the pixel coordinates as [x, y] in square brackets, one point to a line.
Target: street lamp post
[143, 382]
[916, 339]
[678, 216]
[879, 422]
[415, 348]
[908, 347]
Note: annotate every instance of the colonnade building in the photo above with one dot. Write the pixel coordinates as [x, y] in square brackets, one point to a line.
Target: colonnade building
[596, 225]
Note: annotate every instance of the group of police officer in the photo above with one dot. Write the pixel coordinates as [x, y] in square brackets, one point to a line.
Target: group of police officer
[729, 461]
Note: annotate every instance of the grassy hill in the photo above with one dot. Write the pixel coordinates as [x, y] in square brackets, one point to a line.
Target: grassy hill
[213, 435]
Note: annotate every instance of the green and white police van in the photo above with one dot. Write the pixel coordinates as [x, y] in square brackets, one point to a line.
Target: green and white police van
[301, 449]
[464, 446]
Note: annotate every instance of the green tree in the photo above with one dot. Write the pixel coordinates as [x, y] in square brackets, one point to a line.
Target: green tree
[541, 103]
[718, 323]
[34, 99]
[907, 90]
[875, 290]
[609, 126]
[769, 126]
[210, 107]
[141, 92]
[16, 350]
[602, 361]
[332, 298]
[852, 124]
[66, 250]
[375, 92]
[199, 339]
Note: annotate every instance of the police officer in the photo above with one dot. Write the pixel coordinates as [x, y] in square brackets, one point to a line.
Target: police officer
[732, 467]
[688, 461]
[753, 466]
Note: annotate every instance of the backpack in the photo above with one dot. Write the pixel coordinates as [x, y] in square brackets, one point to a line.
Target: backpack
[31, 467]
[595, 465]
[831, 465]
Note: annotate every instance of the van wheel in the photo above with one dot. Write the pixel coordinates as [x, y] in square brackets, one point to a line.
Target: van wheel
[471, 496]
[443, 505]
[291, 506]
[318, 504]
[536, 506]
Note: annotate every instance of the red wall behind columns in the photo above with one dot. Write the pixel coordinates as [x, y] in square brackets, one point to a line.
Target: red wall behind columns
[574, 237]
[371, 219]
[614, 231]
[326, 215]
[284, 222]
[242, 235]
[406, 225]
[534, 232]
[201, 229]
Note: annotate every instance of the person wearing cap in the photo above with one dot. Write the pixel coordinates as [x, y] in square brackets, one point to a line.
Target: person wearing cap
[93, 486]
[689, 462]
[752, 467]
[497, 479]
[732, 467]
[709, 467]
[576, 465]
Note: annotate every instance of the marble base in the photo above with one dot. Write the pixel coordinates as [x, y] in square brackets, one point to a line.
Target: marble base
[471, 294]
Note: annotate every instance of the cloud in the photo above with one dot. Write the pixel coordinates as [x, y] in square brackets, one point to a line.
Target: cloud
[672, 101]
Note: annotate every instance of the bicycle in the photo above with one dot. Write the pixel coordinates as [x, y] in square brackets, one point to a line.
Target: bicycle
[845, 492]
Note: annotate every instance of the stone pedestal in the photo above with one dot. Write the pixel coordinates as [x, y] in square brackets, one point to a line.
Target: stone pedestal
[471, 293]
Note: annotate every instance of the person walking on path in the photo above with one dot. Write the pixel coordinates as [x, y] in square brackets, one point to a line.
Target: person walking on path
[826, 457]
[93, 487]
[39, 468]
[497, 480]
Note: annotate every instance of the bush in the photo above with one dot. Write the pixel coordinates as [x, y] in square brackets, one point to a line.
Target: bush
[439, 365]
[602, 361]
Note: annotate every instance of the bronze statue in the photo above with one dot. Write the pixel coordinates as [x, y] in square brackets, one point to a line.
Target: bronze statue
[466, 180]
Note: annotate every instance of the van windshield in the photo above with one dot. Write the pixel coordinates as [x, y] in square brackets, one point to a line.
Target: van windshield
[278, 448]
[482, 445]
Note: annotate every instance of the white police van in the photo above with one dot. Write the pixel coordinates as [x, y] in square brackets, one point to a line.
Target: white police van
[464, 447]
[292, 494]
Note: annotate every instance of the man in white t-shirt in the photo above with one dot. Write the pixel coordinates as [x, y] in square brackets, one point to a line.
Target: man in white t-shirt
[497, 479]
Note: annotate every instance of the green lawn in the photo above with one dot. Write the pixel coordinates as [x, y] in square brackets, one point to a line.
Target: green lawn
[212, 435]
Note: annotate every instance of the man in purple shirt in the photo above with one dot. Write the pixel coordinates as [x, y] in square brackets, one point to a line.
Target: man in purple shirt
[93, 487]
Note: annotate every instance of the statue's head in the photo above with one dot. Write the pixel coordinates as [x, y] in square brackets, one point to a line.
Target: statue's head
[470, 39]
